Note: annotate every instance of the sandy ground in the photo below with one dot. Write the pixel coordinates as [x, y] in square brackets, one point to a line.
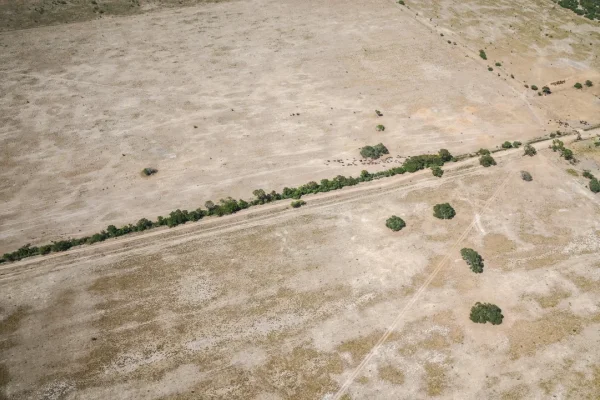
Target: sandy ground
[303, 303]
[226, 98]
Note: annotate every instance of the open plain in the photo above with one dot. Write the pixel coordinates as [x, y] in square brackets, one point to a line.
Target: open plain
[324, 301]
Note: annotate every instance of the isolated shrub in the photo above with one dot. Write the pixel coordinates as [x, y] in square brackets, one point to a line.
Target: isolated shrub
[512, 76]
[437, 171]
[380, 128]
[490, 69]
[443, 211]
[533, 87]
[482, 54]
[486, 312]
[526, 176]
[588, 174]
[298, 203]
[594, 185]
[589, 83]
[567, 153]
[473, 259]
[498, 64]
[578, 86]
[445, 155]
[552, 135]
[379, 114]
[374, 152]
[149, 171]
[507, 145]
[401, 2]
[483, 152]
[530, 150]
[546, 90]
[516, 144]
[487, 160]
[395, 223]
[527, 86]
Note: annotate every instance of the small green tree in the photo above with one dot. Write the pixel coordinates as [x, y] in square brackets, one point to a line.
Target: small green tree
[567, 153]
[530, 150]
[483, 152]
[594, 185]
[445, 155]
[374, 152]
[526, 176]
[379, 114]
[498, 64]
[437, 171]
[546, 90]
[490, 69]
[482, 54]
[507, 145]
[486, 312]
[298, 203]
[578, 86]
[516, 144]
[588, 174]
[533, 87]
[487, 160]
[589, 83]
[380, 128]
[473, 259]
[443, 211]
[395, 223]
[149, 171]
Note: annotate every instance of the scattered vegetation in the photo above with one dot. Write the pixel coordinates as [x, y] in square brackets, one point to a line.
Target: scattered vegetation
[588, 174]
[546, 90]
[588, 8]
[380, 128]
[589, 83]
[443, 211]
[298, 203]
[473, 259]
[374, 152]
[486, 312]
[558, 145]
[487, 160]
[578, 85]
[526, 176]
[482, 54]
[149, 171]
[437, 171]
[483, 152]
[530, 150]
[379, 114]
[395, 223]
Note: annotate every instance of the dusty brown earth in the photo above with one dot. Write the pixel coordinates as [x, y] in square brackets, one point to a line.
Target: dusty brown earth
[86, 106]
[303, 303]
[322, 301]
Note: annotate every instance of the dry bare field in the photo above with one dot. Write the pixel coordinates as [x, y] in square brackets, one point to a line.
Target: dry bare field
[206, 95]
[296, 303]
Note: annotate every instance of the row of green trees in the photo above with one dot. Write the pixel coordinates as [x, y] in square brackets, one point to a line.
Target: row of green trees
[230, 206]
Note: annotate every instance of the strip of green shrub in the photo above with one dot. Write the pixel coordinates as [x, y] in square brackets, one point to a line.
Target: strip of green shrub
[473, 259]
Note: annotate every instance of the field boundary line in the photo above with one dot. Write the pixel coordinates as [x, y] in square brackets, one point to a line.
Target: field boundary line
[418, 293]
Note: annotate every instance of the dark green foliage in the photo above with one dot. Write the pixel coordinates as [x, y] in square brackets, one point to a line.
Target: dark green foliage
[588, 174]
[416, 163]
[379, 114]
[552, 135]
[567, 154]
[534, 87]
[588, 8]
[443, 211]
[558, 145]
[507, 145]
[498, 64]
[530, 150]
[485, 312]
[589, 83]
[490, 69]
[374, 152]
[482, 54]
[483, 152]
[526, 176]
[473, 259]
[437, 171]
[445, 155]
[380, 128]
[578, 86]
[298, 203]
[401, 2]
[487, 160]
[546, 90]
[149, 171]
[516, 144]
[594, 185]
[395, 223]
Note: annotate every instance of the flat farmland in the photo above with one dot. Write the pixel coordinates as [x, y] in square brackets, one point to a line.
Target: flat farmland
[325, 301]
[230, 97]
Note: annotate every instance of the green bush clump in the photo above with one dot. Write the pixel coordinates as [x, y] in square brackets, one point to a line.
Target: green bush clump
[473, 259]
[533, 87]
[445, 155]
[487, 160]
[526, 176]
[483, 152]
[482, 54]
[395, 223]
[437, 171]
[589, 83]
[516, 144]
[546, 90]
[298, 203]
[490, 69]
[507, 145]
[558, 145]
[588, 174]
[379, 114]
[374, 152]
[594, 185]
[380, 128]
[443, 211]
[577, 85]
[590, 9]
[149, 171]
[530, 150]
[498, 64]
[401, 2]
[486, 312]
